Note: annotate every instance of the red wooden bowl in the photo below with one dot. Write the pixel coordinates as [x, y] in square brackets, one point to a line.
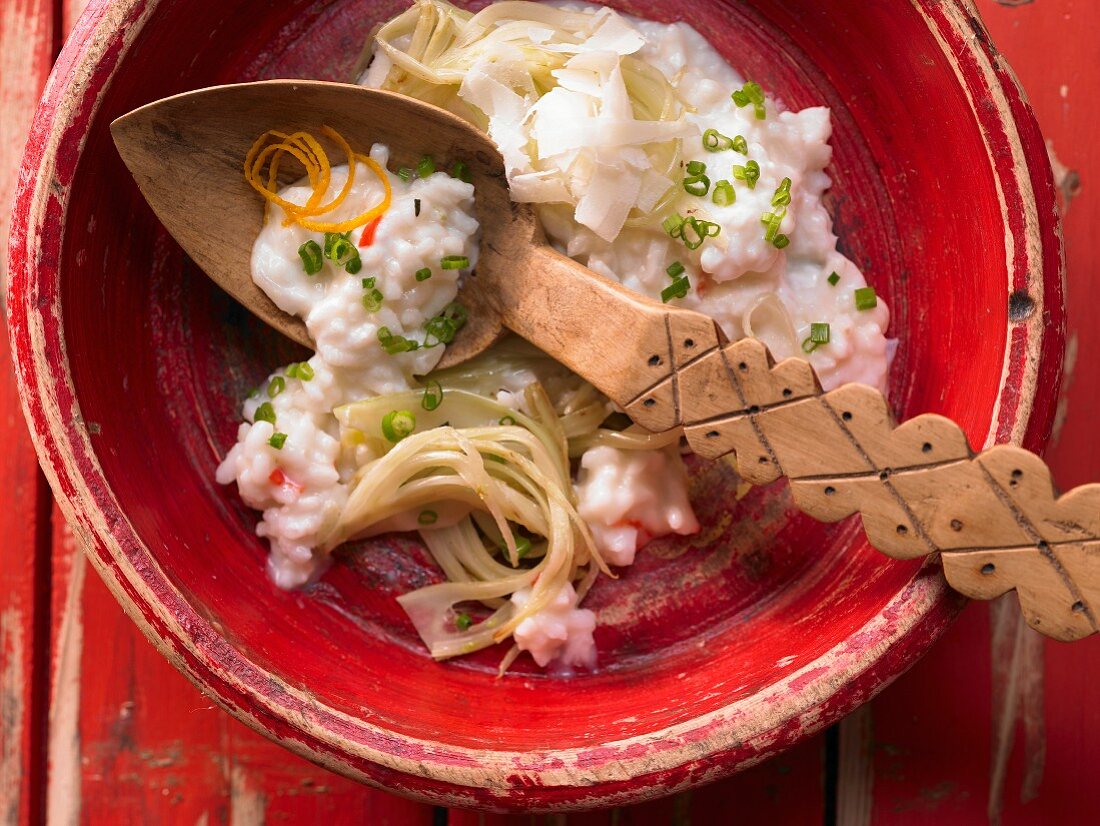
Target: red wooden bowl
[716, 651]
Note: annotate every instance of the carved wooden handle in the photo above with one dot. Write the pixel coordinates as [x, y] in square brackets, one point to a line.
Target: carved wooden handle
[919, 488]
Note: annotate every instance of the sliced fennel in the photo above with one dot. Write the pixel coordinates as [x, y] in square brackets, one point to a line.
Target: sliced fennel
[485, 471]
[475, 456]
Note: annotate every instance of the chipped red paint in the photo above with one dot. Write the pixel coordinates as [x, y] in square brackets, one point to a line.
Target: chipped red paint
[796, 624]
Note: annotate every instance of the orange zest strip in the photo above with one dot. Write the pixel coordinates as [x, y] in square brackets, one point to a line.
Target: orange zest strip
[364, 218]
[272, 147]
[313, 150]
[336, 137]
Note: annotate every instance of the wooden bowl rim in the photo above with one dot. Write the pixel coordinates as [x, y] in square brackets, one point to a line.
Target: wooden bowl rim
[702, 749]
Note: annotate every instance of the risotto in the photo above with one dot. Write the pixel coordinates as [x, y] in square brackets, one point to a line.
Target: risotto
[651, 161]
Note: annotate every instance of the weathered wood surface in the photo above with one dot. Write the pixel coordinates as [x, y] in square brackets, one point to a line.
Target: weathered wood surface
[993, 723]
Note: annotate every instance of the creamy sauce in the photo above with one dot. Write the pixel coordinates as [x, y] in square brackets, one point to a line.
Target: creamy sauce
[301, 487]
[555, 159]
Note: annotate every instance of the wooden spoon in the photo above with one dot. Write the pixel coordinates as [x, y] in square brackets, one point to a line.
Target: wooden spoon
[993, 517]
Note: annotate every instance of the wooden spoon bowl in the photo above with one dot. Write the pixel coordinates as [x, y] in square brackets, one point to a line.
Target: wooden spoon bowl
[718, 650]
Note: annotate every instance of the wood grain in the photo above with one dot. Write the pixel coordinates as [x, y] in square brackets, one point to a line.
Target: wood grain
[27, 46]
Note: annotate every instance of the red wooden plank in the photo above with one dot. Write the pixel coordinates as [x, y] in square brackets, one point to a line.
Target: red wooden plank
[980, 729]
[131, 741]
[22, 590]
[26, 50]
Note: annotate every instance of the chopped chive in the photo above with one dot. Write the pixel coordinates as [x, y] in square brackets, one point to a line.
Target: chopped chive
[423, 274]
[697, 185]
[456, 312]
[425, 166]
[740, 145]
[330, 239]
[749, 173]
[782, 195]
[253, 393]
[866, 298]
[427, 517]
[405, 174]
[463, 621]
[372, 296]
[394, 344]
[416, 207]
[340, 250]
[696, 168]
[461, 171]
[276, 386]
[723, 193]
[433, 395]
[277, 440]
[397, 424]
[507, 421]
[343, 252]
[773, 221]
[715, 141]
[674, 269]
[372, 300]
[694, 232]
[443, 327]
[677, 289]
[673, 225]
[834, 278]
[264, 413]
[751, 93]
[454, 262]
[781, 241]
[819, 332]
[438, 331]
[808, 345]
[310, 253]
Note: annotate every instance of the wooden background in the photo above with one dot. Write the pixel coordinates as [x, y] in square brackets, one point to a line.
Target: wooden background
[994, 724]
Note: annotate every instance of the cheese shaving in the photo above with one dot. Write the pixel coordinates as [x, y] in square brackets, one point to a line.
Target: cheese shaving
[578, 119]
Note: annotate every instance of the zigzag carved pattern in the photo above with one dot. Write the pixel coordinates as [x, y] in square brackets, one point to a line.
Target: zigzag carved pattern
[994, 517]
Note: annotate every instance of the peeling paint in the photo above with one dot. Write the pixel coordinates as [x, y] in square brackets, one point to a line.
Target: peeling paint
[11, 713]
[64, 783]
